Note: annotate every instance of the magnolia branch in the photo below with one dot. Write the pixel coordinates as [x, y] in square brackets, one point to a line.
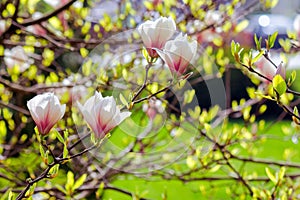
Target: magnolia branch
[46, 174]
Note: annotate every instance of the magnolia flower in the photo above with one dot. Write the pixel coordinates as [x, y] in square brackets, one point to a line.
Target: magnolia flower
[45, 110]
[102, 114]
[156, 33]
[153, 108]
[17, 57]
[178, 53]
[296, 24]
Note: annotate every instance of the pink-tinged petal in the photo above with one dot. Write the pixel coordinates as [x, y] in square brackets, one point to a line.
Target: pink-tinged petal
[281, 70]
[45, 110]
[118, 118]
[101, 115]
[156, 33]
[178, 53]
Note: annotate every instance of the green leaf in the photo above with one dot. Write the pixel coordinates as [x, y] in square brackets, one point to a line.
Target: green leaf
[11, 9]
[60, 188]
[70, 182]
[191, 163]
[10, 195]
[58, 136]
[99, 191]
[292, 34]
[279, 84]
[232, 47]
[262, 109]
[257, 42]
[66, 134]
[37, 133]
[79, 182]
[6, 194]
[42, 152]
[30, 192]
[84, 52]
[241, 26]
[65, 152]
[271, 176]
[188, 96]
[281, 173]
[272, 39]
[54, 171]
[295, 111]
[292, 78]
[285, 44]
[123, 100]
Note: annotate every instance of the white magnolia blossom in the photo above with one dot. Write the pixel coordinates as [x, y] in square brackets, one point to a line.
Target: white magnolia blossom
[153, 107]
[156, 33]
[102, 114]
[179, 53]
[17, 57]
[46, 111]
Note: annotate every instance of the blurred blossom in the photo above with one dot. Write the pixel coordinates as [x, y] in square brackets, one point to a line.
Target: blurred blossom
[2, 26]
[153, 107]
[208, 35]
[297, 24]
[75, 92]
[36, 29]
[46, 111]
[212, 17]
[156, 33]
[17, 57]
[102, 114]
[178, 53]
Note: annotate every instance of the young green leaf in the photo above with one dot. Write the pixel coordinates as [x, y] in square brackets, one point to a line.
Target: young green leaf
[241, 26]
[65, 151]
[272, 39]
[54, 171]
[79, 181]
[188, 96]
[281, 173]
[292, 78]
[271, 176]
[99, 191]
[70, 183]
[191, 163]
[257, 42]
[58, 136]
[123, 100]
[279, 84]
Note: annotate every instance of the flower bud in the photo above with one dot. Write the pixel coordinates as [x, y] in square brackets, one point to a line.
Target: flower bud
[102, 114]
[156, 33]
[46, 111]
[178, 53]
